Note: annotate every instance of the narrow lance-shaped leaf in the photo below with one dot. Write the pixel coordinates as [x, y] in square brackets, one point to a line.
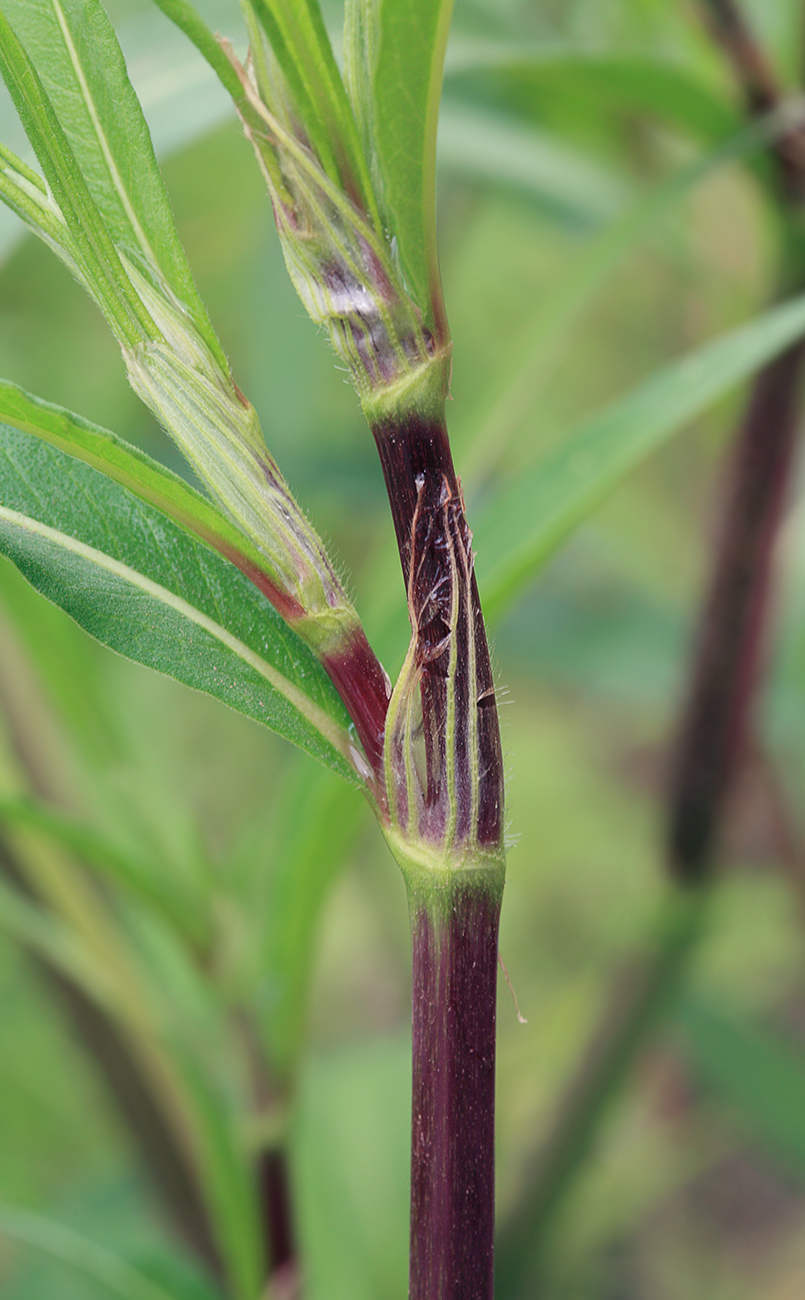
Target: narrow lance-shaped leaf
[157, 888]
[524, 79]
[132, 469]
[526, 519]
[177, 367]
[302, 48]
[141, 585]
[86, 245]
[394, 52]
[114, 1274]
[548, 336]
[74, 48]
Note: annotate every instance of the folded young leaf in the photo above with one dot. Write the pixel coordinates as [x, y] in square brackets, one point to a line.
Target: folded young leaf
[527, 518]
[302, 48]
[142, 586]
[394, 52]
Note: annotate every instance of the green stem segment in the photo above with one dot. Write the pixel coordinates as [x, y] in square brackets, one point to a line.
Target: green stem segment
[455, 951]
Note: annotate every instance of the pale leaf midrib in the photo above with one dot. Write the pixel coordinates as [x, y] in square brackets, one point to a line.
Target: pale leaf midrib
[318, 719]
[109, 158]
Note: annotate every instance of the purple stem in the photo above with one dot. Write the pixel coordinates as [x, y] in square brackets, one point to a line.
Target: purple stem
[275, 1197]
[734, 617]
[455, 953]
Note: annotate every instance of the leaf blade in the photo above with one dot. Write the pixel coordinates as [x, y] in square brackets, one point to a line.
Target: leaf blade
[396, 80]
[118, 1276]
[134, 470]
[76, 52]
[142, 586]
[566, 486]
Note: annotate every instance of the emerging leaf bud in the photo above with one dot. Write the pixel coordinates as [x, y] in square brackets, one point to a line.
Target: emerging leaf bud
[339, 258]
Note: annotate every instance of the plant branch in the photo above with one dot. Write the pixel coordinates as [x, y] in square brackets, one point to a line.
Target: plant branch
[727, 660]
[725, 673]
[758, 84]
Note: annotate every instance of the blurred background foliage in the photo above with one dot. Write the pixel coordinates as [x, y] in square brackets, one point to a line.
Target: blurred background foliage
[559, 119]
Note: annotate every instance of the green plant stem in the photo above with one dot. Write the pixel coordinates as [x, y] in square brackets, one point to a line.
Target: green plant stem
[635, 1006]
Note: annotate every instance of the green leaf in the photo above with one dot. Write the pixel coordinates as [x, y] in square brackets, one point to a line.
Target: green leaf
[395, 57]
[138, 583]
[49, 938]
[228, 1178]
[155, 887]
[530, 80]
[501, 151]
[132, 469]
[298, 37]
[758, 1075]
[118, 1276]
[73, 46]
[351, 1149]
[527, 518]
[496, 423]
[313, 828]
[189, 21]
[83, 242]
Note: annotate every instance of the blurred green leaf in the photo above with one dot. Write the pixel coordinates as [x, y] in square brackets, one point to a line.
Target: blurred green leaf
[146, 881]
[314, 828]
[33, 928]
[228, 1176]
[118, 1276]
[526, 519]
[142, 586]
[351, 1148]
[759, 1076]
[530, 79]
[395, 56]
[515, 390]
[500, 151]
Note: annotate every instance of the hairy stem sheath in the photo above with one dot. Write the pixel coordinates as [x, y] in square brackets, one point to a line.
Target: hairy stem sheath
[444, 784]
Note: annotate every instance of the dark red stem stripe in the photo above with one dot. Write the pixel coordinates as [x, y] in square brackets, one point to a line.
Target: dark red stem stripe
[359, 679]
[731, 634]
[453, 1134]
[418, 471]
[275, 1196]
